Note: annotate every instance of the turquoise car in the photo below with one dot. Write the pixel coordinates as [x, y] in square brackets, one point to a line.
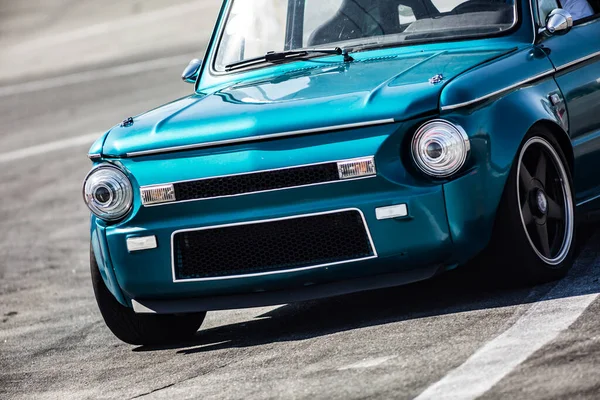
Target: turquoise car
[337, 146]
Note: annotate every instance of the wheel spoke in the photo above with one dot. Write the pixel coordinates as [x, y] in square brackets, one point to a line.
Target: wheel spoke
[540, 169]
[525, 177]
[554, 210]
[542, 231]
[526, 211]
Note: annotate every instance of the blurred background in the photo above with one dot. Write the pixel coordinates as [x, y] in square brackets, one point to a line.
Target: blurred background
[70, 70]
[41, 38]
[81, 66]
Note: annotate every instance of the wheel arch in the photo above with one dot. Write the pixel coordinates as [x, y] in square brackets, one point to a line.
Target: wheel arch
[497, 130]
[100, 253]
[562, 137]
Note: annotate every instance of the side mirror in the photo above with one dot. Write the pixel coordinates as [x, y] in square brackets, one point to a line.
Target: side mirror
[190, 73]
[559, 22]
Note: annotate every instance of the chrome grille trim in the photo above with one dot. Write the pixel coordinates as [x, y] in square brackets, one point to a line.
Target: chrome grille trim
[370, 159]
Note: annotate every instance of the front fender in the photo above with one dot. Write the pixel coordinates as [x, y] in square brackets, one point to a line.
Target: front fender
[100, 250]
[496, 129]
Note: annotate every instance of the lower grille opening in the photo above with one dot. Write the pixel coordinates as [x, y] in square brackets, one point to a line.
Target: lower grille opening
[270, 246]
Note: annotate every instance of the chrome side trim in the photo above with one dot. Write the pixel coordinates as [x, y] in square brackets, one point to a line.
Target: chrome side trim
[261, 137]
[271, 272]
[497, 92]
[596, 197]
[524, 82]
[94, 156]
[259, 172]
[578, 61]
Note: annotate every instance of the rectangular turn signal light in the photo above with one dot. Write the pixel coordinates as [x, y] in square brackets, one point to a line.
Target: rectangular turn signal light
[357, 168]
[157, 194]
[400, 210]
[141, 243]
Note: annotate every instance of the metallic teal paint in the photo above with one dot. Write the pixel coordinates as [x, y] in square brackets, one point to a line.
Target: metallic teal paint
[512, 69]
[580, 85]
[369, 89]
[504, 85]
[495, 140]
[101, 253]
[148, 273]
[96, 148]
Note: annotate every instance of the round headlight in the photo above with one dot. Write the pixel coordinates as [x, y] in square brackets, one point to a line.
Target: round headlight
[440, 148]
[108, 193]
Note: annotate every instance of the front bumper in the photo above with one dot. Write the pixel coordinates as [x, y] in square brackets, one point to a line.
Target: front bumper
[420, 239]
[260, 299]
[433, 236]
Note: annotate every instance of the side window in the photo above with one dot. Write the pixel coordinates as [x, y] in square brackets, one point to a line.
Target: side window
[545, 7]
[406, 14]
[316, 13]
[579, 9]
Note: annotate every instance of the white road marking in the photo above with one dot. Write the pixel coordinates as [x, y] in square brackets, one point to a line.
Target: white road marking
[97, 74]
[541, 324]
[369, 363]
[48, 147]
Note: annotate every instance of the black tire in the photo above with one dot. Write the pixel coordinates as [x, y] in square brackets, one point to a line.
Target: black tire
[141, 329]
[517, 254]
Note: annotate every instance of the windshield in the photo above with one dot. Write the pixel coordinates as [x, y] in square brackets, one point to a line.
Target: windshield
[255, 27]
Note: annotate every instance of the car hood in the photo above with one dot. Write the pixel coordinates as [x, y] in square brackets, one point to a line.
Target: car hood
[322, 95]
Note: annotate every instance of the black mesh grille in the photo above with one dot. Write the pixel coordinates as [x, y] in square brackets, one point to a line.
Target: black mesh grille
[256, 182]
[271, 246]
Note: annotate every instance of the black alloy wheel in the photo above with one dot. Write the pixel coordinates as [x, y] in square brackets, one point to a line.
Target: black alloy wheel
[534, 231]
[545, 201]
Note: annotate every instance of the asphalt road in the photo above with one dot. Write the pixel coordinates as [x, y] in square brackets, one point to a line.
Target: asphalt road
[453, 337]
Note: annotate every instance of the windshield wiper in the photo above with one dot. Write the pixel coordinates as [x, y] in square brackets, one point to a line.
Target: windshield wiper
[275, 57]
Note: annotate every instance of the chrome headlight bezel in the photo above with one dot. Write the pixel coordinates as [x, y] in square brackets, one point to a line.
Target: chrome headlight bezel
[447, 138]
[110, 182]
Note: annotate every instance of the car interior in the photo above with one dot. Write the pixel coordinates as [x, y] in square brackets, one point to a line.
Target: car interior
[357, 19]
[595, 5]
